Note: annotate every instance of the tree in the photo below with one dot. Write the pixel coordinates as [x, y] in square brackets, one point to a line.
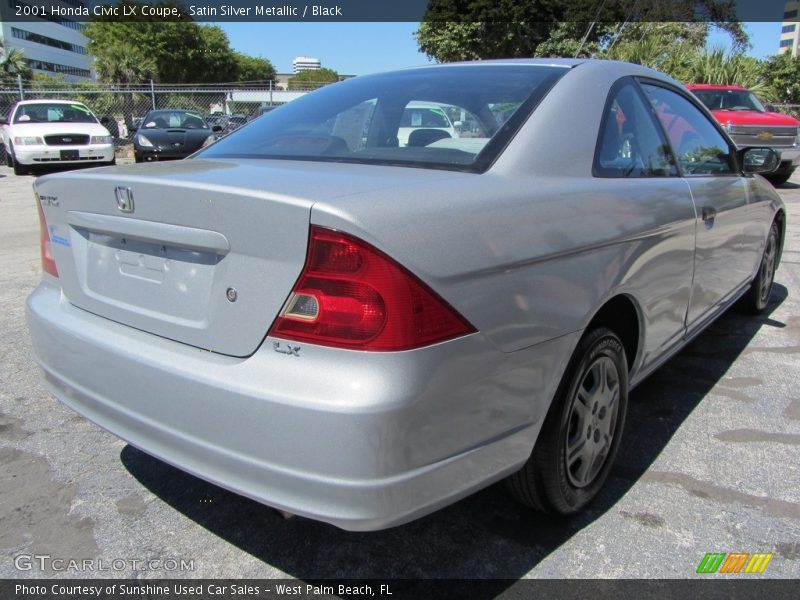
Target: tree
[168, 51]
[480, 29]
[169, 44]
[213, 59]
[463, 30]
[12, 63]
[124, 64]
[252, 68]
[781, 77]
[312, 78]
[719, 67]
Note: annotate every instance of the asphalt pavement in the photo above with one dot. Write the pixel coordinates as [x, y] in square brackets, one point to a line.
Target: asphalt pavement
[709, 463]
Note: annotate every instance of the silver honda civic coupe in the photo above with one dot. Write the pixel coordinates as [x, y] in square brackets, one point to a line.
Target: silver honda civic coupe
[360, 331]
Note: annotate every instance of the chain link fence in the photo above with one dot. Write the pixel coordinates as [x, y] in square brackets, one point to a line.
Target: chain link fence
[125, 105]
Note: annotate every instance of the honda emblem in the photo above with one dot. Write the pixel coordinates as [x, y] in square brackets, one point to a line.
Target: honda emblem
[124, 198]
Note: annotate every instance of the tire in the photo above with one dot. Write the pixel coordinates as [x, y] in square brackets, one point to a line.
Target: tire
[779, 178]
[18, 168]
[585, 409]
[138, 160]
[9, 161]
[756, 299]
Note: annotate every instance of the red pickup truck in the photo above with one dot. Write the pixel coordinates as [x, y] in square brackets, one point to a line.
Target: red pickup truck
[749, 123]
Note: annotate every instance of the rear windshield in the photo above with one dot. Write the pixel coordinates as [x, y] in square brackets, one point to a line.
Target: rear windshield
[57, 112]
[455, 117]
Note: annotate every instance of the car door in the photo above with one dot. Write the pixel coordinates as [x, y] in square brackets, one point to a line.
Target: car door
[726, 251]
[633, 162]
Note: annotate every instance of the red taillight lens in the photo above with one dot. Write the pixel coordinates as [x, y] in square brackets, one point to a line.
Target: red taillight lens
[351, 295]
[48, 262]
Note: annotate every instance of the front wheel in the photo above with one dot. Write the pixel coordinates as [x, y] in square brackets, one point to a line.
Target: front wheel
[19, 169]
[757, 297]
[581, 433]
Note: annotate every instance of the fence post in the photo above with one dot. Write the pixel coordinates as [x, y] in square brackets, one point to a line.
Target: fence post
[152, 94]
[19, 85]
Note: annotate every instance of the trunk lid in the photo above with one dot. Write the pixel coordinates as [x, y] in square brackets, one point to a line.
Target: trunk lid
[210, 250]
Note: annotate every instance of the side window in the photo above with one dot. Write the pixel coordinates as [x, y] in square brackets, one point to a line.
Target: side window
[630, 143]
[700, 148]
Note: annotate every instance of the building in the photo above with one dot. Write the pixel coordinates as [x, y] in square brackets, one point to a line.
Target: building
[790, 32]
[305, 63]
[53, 46]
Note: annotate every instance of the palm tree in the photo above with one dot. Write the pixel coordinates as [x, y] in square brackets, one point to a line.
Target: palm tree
[719, 67]
[12, 63]
[124, 64]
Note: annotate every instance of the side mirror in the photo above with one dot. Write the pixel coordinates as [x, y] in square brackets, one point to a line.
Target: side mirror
[770, 108]
[3, 121]
[216, 128]
[104, 120]
[759, 160]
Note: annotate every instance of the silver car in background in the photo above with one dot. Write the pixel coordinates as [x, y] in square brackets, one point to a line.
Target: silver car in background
[313, 315]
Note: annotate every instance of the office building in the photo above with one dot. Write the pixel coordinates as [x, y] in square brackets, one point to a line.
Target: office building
[790, 31]
[54, 46]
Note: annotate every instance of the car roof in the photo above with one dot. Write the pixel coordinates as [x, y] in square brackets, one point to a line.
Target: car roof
[711, 86]
[45, 101]
[612, 67]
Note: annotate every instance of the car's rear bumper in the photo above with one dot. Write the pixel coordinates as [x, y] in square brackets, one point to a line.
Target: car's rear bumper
[360, 440]
[44, 155]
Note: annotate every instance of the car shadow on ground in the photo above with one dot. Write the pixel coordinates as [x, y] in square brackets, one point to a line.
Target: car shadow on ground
[486, 535]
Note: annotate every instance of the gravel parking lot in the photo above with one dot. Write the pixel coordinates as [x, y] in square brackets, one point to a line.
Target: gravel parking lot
[710, 463]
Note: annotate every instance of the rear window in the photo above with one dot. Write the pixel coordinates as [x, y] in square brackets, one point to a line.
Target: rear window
[455, 117]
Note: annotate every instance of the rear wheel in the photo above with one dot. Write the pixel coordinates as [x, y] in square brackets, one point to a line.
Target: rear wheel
[9, 162]
[580, 436]
[757, 297]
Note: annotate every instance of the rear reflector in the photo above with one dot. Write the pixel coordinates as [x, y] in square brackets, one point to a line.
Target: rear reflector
[48, 262]
[351, 295]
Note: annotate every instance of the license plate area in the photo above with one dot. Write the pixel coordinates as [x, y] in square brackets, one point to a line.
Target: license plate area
[69, 154]
[157, 280]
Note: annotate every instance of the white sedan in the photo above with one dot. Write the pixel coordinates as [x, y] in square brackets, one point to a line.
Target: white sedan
[42, 132]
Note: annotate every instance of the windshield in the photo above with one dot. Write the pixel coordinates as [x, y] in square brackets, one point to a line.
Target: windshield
[455, 117]
[730, 100]
[57, 112]
[174, 119]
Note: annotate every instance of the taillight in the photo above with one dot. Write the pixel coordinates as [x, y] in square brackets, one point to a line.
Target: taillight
[351, 295]
[48, 262]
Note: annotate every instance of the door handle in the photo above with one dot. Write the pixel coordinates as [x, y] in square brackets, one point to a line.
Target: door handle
[709, 213]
